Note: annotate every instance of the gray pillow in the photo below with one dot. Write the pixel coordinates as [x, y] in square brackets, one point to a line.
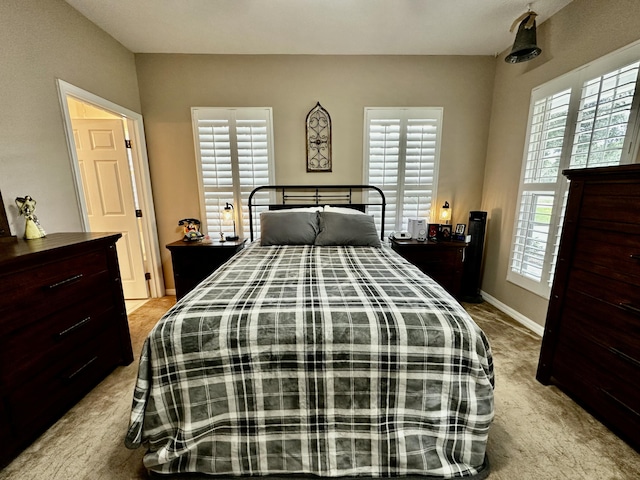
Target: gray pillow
[347, 229]
[281, 227]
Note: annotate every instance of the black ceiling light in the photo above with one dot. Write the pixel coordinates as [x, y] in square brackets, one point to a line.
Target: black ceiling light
[524, 46]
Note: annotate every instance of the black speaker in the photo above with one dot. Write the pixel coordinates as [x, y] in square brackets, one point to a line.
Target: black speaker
[470, 291]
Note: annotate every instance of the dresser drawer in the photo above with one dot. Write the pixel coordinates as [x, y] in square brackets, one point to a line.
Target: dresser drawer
[608, 367]
[609, 253]
[607, 324]
[619, 298]
[53, 337]
[32, 406]
[611, 202]
[50, 288]
[574, 374]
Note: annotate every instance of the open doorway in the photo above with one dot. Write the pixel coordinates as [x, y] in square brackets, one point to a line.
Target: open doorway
[108, 158]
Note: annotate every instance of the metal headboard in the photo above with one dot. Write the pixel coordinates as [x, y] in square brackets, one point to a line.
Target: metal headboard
[294, 196]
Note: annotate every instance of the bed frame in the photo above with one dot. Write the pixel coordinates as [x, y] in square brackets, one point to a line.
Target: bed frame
[280, 197]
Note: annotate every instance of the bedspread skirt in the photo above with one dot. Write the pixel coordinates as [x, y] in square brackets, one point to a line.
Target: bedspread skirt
[331, 361]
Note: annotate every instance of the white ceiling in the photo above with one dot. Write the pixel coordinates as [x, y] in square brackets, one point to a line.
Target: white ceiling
[338, 27]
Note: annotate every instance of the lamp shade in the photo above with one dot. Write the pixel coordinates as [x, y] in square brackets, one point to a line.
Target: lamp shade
[445, 213]
[227, 216]
[227, 213]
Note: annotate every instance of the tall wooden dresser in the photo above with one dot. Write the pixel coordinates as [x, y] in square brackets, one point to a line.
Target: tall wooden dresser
[591, 344]
[63, 328]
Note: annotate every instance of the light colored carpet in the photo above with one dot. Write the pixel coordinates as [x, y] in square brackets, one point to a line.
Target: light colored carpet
[538, 433]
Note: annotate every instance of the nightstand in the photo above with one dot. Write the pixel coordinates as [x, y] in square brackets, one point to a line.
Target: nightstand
[194, 261]
[442, 261]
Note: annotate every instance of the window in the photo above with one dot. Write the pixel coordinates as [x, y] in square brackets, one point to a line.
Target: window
[234, 152]
[402, 151]
[581, 120]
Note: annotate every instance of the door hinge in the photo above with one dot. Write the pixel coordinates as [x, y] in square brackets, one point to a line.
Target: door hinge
[127, 143]
[147, 276]
[139, 213]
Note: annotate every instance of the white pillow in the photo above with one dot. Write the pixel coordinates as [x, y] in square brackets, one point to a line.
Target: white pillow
[298, 209]
[329, 208]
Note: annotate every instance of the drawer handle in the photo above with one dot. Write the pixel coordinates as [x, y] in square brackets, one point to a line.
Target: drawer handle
[66, 281]
[78, 371]
[630, 307]
[67, 331]
[624, 356]
[635, 256]
[619, 402]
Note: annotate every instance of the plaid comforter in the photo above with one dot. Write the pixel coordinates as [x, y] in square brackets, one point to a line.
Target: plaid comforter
[334, 361]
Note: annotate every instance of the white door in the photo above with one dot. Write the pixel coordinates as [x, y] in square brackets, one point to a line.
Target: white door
[108, 191]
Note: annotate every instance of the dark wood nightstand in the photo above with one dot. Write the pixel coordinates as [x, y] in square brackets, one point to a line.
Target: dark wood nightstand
[442, 261]
[194, 261]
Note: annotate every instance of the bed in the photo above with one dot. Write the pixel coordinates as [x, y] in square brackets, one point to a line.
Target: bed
[317, 350]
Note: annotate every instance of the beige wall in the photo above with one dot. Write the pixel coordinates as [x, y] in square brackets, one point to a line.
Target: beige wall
[581, 32]
[171, 84]
[42, 40]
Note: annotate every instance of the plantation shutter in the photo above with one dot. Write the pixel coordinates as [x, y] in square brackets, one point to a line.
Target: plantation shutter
[234, 151]
[605, 106]
[539, 189]
[589, 123]
[401, 158]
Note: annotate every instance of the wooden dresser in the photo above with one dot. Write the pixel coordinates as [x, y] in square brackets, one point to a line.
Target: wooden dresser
[591, 344]
[63, 328]
[441, 260]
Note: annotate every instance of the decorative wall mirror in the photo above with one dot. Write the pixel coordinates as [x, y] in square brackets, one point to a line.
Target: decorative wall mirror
[5, 231]
[318, 140]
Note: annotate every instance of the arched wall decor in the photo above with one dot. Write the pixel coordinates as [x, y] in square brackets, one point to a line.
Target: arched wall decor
[318, 130]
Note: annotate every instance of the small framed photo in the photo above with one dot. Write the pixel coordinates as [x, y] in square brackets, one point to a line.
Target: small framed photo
[460, 228]
[432, 232]
[445, 233]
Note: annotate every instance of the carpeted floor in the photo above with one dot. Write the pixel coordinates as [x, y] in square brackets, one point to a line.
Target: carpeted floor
[538, 433]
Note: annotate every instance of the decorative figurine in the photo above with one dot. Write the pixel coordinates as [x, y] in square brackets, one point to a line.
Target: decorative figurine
[26, 206]
[191, 228]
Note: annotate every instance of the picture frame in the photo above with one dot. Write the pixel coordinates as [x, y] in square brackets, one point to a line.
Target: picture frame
[5, 231]
[432, 231]
[444, 233]
[459, 234]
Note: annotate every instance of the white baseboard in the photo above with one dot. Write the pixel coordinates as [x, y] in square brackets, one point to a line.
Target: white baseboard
[172, 291]
[517, 316]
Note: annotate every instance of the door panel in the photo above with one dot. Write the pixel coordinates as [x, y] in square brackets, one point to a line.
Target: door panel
[106, 177]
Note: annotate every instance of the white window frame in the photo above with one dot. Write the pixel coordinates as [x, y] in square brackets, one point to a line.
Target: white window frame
[404, 114]
[238, 193]
[573, 80]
